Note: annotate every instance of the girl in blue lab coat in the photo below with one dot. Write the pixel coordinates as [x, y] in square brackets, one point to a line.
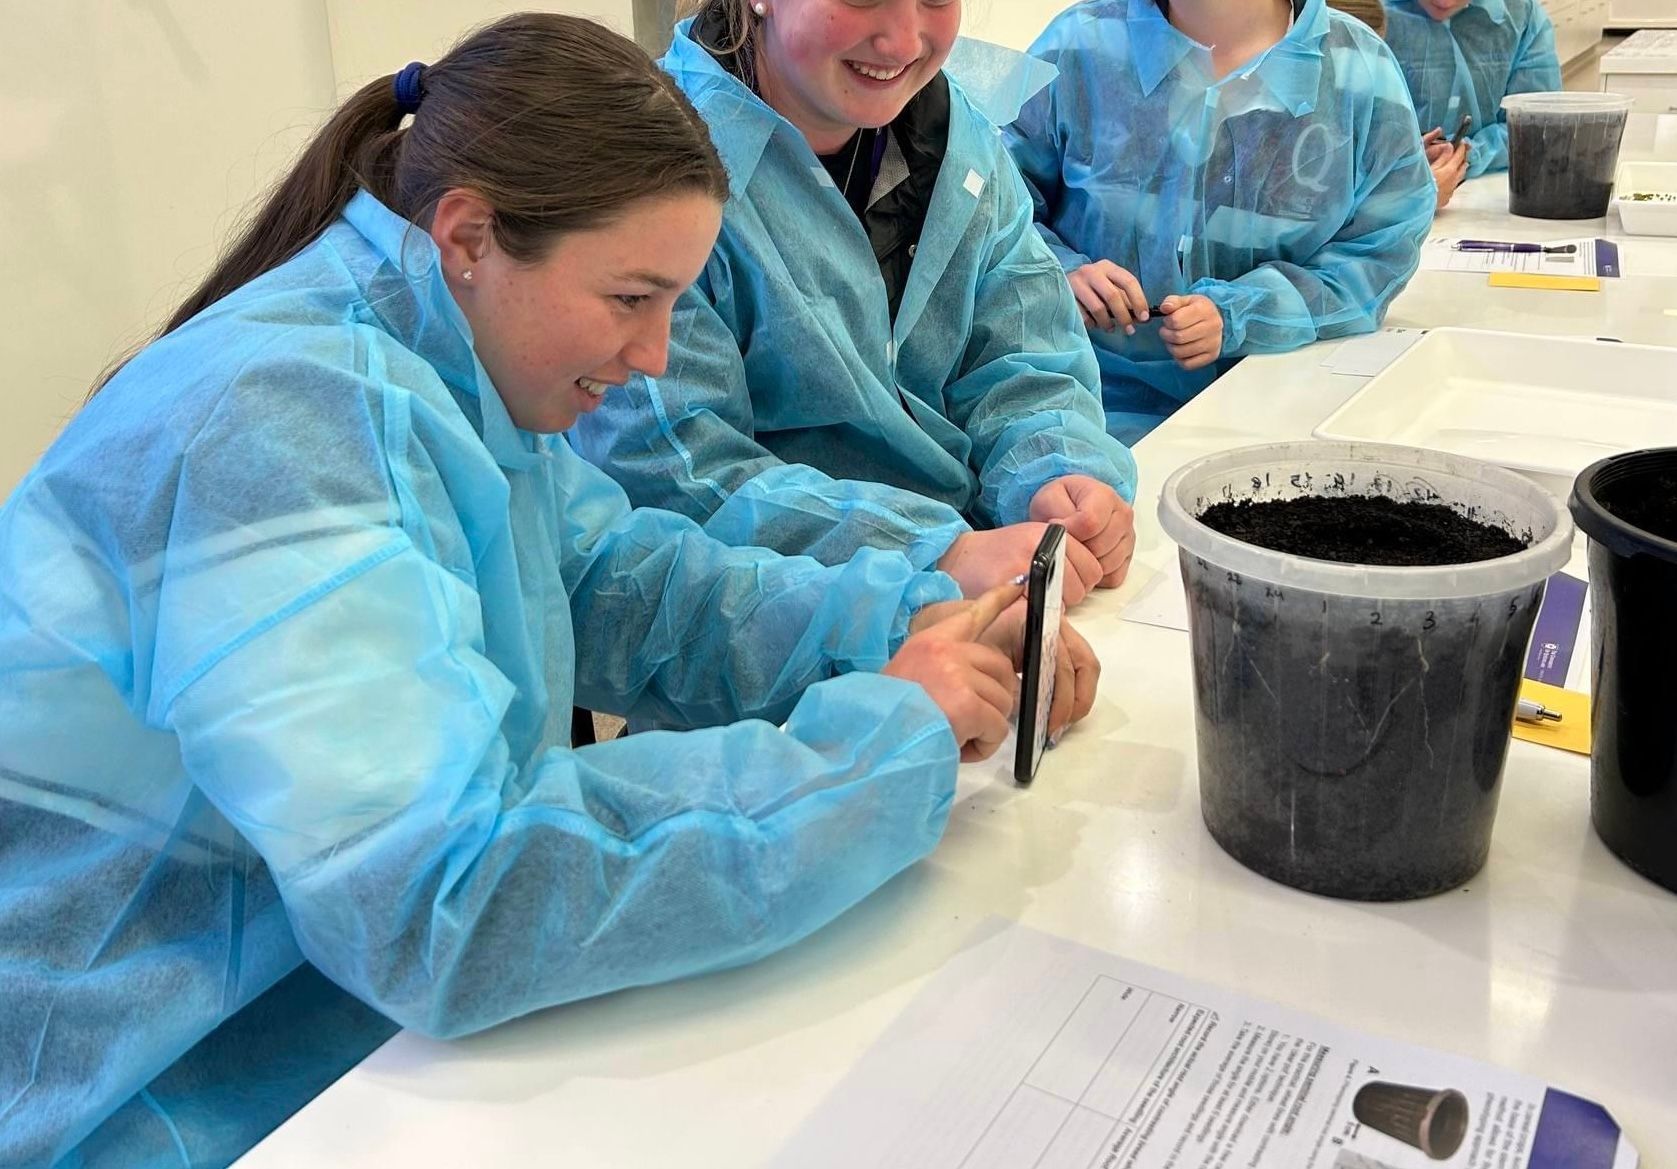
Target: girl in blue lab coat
[1253, 171]
[297, 607]
[879, 352]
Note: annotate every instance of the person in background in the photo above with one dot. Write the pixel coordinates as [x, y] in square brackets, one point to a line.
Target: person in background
[1447, 157]
[296, 607]
[880, 351]
[1460, 58]
[1219, 180]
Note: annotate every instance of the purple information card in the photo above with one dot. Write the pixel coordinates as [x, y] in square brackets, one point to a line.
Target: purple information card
[1556, 633]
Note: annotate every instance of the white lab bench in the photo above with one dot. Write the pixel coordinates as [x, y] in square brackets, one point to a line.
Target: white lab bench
[1557, 960]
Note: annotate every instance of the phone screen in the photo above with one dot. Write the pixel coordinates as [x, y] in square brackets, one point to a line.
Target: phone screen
[1045, 604]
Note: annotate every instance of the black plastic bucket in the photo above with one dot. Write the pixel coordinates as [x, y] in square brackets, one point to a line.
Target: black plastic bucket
[1633, 588]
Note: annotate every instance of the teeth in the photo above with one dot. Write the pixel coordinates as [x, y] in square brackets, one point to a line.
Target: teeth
[876, 73]
[598, 389]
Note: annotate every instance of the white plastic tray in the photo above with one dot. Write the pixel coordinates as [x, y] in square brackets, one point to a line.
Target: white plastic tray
[1543, 405]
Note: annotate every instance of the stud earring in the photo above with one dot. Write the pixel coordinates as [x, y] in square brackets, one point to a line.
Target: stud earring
[466, 275]
[760, 9]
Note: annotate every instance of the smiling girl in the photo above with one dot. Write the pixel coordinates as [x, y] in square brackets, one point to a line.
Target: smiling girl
[880, 351]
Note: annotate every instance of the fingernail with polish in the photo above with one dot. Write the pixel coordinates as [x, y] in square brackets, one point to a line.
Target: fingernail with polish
[1020, 579]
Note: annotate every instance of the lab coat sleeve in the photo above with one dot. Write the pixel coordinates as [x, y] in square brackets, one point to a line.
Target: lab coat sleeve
[675, 627]
[1347, 285]
[1035, 139]
[684, 442]
[1536, 68]
[354, 736]
[1028, 393]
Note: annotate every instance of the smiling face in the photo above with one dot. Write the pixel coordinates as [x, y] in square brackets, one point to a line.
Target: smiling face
[831, 67]
[1443, 9]
[555, 335]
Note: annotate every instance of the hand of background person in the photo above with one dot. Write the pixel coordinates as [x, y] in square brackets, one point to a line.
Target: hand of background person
[1109, 297]
[1096, 516]
[1193, 330]
[1450, 170]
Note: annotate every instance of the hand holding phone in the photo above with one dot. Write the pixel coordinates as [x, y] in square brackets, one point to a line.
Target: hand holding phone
[1044, 607]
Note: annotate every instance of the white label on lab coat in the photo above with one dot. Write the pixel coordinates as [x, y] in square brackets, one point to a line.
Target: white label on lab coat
[974, 183]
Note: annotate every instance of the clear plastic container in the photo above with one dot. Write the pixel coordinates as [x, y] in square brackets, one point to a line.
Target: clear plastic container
[1563, 150]
[1353, 719]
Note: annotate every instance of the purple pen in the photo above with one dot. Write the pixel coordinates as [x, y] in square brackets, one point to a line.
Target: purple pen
[1491, 245]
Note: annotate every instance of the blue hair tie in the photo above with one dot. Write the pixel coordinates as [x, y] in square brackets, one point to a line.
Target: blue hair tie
[407, 87]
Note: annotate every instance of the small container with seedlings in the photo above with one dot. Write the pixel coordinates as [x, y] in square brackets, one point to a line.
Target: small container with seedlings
[1359, 617]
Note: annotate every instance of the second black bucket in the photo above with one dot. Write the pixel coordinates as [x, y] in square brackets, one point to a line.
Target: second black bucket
[1627, 505]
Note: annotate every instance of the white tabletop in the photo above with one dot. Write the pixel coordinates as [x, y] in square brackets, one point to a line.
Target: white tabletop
[1556, 960]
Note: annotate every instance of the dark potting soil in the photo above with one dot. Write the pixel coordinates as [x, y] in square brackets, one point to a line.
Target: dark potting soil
[1647, 501]
[1562, 167]
[1361, 529]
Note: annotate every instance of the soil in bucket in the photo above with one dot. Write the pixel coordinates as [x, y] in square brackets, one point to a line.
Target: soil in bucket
[1352, 732]
[1353, 746]
[1361, 529]
[1563, 151]
[1627, 505]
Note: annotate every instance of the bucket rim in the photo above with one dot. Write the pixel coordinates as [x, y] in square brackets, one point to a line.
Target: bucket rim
[1620, 536]
[1568, 102]
[1480, 578]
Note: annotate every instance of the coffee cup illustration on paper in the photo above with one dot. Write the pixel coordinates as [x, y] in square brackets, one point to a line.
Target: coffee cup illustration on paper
[1433, 1120]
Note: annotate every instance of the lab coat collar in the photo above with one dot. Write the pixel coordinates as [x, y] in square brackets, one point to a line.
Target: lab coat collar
[421, 313]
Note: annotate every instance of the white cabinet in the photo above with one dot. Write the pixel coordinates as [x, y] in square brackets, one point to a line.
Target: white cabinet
[1642, 14]
[1644, 67]
[1578, 25]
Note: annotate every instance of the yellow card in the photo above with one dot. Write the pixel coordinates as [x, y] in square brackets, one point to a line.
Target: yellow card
[1572, 733]
[1554, 283]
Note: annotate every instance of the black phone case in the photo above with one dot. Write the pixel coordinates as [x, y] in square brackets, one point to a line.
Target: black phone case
[1030, 688]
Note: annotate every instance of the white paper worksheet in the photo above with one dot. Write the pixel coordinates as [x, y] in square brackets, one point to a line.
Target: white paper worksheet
[1440, 255]
[1032, 1052]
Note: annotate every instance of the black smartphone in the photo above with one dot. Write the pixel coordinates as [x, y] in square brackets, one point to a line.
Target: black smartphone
[1461, 130]
[1044, 605]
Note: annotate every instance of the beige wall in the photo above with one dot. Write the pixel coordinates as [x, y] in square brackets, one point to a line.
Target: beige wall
[131, 136]
[128, 132]
[1015, 23]
[374, 37]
